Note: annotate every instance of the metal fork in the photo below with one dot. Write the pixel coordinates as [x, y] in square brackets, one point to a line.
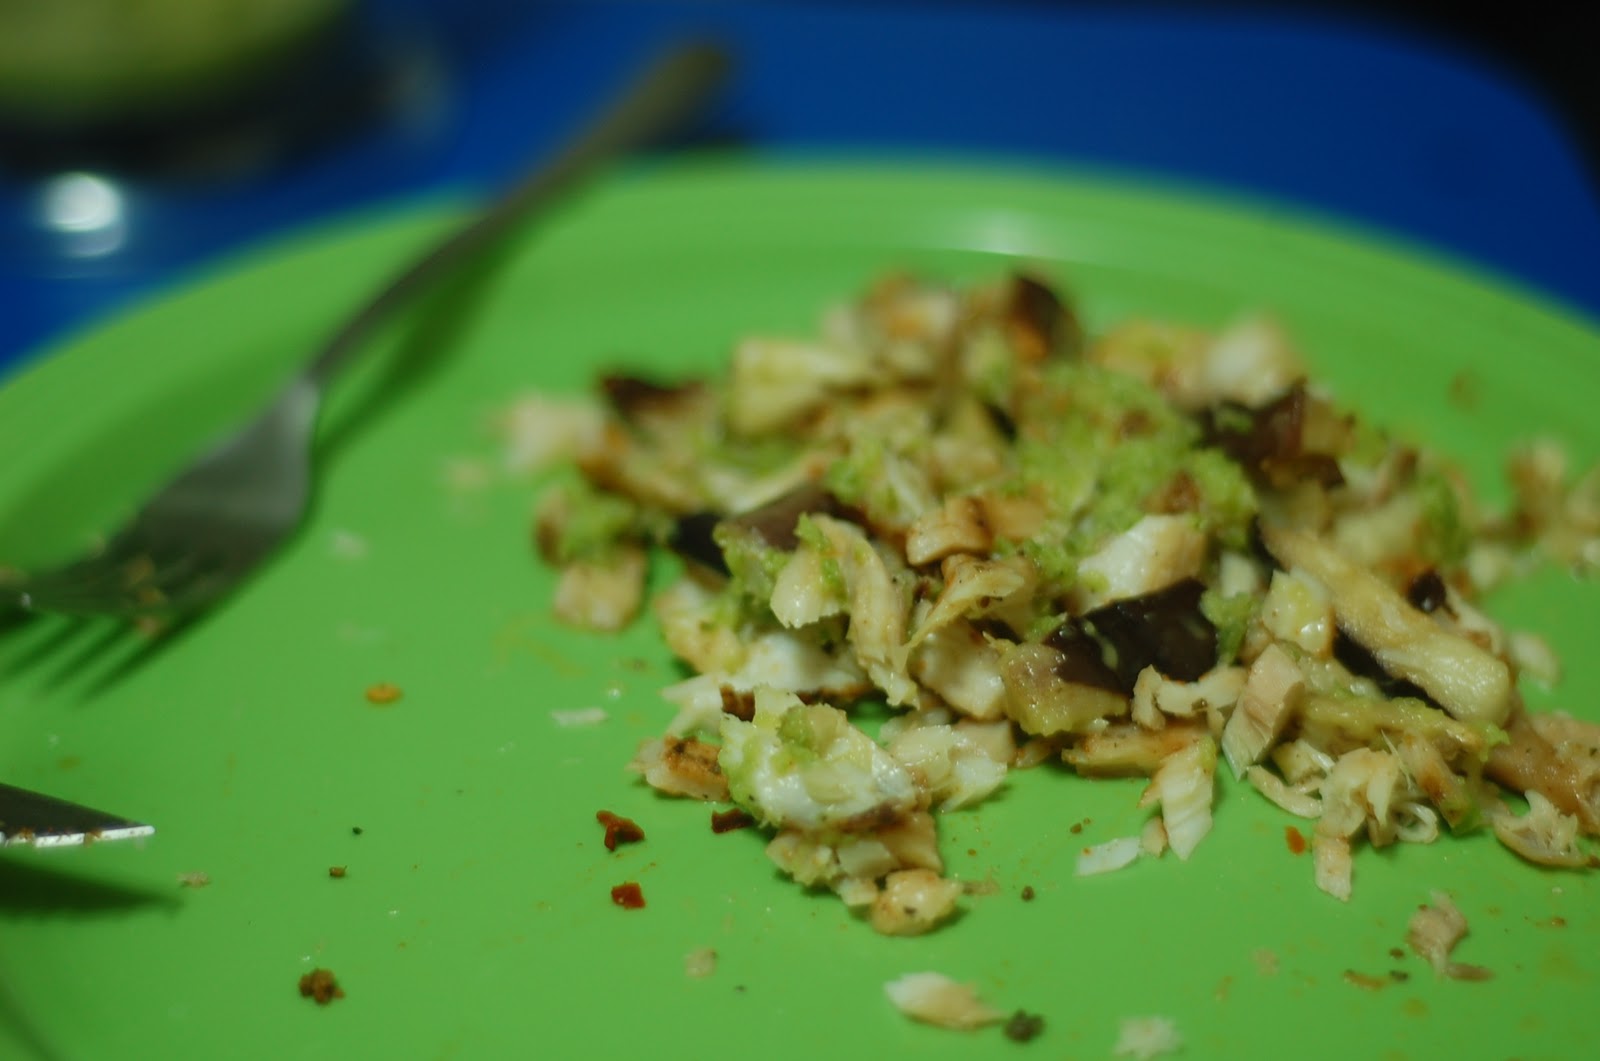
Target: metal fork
[206, 530]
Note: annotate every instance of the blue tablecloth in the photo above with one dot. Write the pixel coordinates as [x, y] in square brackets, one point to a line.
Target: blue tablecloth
[1363, 125]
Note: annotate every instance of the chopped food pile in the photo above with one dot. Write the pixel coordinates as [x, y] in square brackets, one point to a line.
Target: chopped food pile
[1154, 552]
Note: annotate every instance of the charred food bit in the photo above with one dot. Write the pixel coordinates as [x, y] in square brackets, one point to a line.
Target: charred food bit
[320, 986]
[382, 694]
[619, 830]
[628, 895]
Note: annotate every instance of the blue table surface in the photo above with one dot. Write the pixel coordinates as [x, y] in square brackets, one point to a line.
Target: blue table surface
[1347, 121]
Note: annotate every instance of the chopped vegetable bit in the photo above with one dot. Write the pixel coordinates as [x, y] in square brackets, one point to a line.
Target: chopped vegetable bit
[1023, 1027]
[726, 821]
[1109, 856]
[1147, 1037]
[320, 986]
[628, 895]
[934, 998]
[579, 716]
[383, 693]
[619, 830]
[1133, 552]
[913, 901]
[1434, 932]
[699, 964]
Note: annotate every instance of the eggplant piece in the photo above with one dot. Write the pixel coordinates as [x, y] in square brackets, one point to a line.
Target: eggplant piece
[1085, 669]
[1427, 592]
[693, 536]
[633, 397]
[1363, 664]
[776, 521]
[1039, 324]
[1165, 630]
[1270, 440]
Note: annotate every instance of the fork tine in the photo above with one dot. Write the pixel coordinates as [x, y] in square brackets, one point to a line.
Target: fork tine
[165, 585]
[85, 589]
[121, 549]
[149, 582]
[93, 586]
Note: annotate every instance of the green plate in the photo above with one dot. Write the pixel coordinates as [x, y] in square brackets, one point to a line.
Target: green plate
[475, 919]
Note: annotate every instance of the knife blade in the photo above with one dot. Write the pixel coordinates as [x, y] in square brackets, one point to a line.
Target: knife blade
[45, 821]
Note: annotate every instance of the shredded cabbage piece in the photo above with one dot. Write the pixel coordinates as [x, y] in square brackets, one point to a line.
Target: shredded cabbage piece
[934, 998]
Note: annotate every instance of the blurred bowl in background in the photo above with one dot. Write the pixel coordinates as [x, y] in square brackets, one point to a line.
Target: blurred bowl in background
[117, 81]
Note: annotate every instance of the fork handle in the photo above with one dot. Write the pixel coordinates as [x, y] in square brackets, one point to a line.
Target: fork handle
[661, 96]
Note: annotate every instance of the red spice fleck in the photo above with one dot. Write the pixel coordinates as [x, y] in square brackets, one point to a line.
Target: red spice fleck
[628, 896]
[619, 830]
[726, 821]
[1295, 839]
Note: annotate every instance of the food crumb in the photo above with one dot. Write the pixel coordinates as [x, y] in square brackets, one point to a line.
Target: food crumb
[320, 986]
[1266, 961]
[1024, 1027]
[699, 964]
[336, 872]
[579, 717]
[1028, 893]
[1434, 932]
[356, 830]
[1465, 390]
[726, 821]
[195, 879]
[382, 694]
[1295, 839]
[619, 830]
[1108, 857]
[628, 895]
[347, 545]
[1363, 981]
[934, 998]
[1143, 1038]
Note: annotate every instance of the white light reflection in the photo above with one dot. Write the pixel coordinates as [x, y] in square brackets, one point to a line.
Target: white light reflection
[1022, 234]
[87, 212]
[1003, 232]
